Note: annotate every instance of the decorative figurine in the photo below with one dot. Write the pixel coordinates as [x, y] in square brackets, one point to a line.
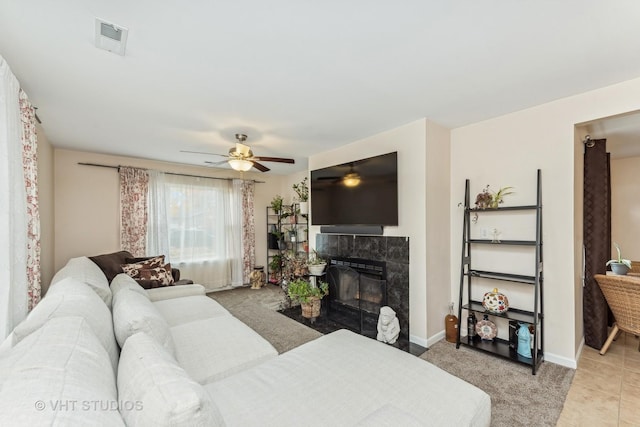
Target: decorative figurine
[388, 325]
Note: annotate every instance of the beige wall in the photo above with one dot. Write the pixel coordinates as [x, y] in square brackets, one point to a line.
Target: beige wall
[414, 158]
[625, 207]
[87, 201]
[506, 151]
[438, 240]
[46, 205]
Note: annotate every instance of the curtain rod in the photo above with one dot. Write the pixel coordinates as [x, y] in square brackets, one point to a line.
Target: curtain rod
[168, 173]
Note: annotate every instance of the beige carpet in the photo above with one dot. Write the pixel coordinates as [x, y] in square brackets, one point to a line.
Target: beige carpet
[257, 308]
[517, 397]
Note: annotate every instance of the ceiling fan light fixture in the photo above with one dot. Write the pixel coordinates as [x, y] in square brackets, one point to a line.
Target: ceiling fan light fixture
[351, 180]
[240, 164]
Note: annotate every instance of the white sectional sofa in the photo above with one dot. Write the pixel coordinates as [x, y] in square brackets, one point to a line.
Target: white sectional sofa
[94, 353]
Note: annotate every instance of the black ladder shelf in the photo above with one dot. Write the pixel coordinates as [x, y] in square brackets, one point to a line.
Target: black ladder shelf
[497, 346]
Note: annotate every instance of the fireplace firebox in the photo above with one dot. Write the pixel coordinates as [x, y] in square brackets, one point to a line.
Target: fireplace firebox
[357, 290]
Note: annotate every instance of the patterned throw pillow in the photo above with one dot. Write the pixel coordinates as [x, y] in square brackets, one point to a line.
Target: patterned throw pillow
[147, 262]
[150, 273]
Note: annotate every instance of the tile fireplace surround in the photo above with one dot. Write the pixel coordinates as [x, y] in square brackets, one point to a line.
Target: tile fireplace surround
[394, 251]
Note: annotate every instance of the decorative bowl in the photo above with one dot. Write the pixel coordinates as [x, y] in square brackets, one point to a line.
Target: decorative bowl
[495, 302]
[486, 329]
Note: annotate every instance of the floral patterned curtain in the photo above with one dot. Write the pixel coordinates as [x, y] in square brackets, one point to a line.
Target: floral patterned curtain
[248, 229]
[30, 168]
[134, 187]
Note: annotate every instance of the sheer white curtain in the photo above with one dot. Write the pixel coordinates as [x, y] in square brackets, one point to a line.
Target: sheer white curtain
[13, 207]
[157, 225]
[203, 230]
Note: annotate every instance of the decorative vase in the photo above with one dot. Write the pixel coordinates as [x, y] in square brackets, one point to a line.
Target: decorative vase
[304, 208]
[619, 268]
[316, 269]
[451, 325]
[471, 325]
[524, 341]
[495, 302]
[258, 277]
[311, 309]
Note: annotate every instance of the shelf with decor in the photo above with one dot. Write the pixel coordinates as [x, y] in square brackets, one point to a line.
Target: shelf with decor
[287, 232]
[482, 336]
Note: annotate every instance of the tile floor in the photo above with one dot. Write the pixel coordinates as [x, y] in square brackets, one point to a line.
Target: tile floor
[606, 389]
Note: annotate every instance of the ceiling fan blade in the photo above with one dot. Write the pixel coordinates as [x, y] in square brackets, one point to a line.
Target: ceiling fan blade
[274, 159]
[260, 167]
[200, 152]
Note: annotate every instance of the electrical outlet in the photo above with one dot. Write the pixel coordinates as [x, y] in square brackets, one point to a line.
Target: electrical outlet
[484, 232]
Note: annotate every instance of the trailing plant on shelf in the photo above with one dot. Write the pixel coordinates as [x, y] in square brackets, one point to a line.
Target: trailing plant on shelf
[619, 265]
[490, 199]
[316, 263]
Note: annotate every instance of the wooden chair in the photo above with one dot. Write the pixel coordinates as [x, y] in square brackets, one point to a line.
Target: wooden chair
[623, 296]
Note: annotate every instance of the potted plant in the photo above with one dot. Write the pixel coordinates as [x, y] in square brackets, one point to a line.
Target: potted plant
[275, 265]
[316, 264]
[302, 191]
[490, 199]
[619, 266]
[276, 203]
[308, 296]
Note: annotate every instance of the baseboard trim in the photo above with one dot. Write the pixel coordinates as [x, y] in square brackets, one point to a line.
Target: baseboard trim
[435, 338]
[561, 360]
[419, 340]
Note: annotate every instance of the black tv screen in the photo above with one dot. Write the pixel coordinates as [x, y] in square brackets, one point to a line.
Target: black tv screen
[363, 192]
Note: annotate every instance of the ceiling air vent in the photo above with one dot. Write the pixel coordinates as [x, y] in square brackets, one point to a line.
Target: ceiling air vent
[111, 37]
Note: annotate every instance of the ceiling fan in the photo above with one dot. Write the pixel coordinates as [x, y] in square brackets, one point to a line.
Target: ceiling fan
[241, 157]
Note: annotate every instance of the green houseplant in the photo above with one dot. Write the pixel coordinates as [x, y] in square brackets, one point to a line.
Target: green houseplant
[309, 296]
[302, 191]
[619, 265]
[276, 203]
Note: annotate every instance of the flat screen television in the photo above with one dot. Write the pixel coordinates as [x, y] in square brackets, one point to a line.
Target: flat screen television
[362, 192]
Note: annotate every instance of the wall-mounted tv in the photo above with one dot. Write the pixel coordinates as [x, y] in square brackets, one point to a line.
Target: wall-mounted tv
[362, 192]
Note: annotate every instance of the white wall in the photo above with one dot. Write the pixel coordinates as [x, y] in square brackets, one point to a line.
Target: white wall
[87, 205]
[625, 207]
[411, 141]
[506, 151]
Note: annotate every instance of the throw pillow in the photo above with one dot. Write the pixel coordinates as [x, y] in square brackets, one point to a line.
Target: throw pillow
[134, 313]
[168, 397]
[147, 262]
[150, 277]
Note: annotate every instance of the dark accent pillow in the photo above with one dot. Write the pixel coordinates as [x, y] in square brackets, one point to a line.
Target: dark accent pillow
[110, 263]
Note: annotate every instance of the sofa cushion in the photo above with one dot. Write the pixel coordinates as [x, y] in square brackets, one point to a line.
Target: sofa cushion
[124, 281]
[58, 376]
[110, 263]
[69, 297]
[217, 347]
[170, 292]
[168, 397]
[85, 270]
[178, 311]
[134, 313]
[339, 367]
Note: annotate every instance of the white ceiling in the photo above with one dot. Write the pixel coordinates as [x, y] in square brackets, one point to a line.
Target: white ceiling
[302, 77]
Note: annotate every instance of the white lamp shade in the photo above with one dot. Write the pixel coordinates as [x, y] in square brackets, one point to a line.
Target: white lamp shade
[240, 164]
